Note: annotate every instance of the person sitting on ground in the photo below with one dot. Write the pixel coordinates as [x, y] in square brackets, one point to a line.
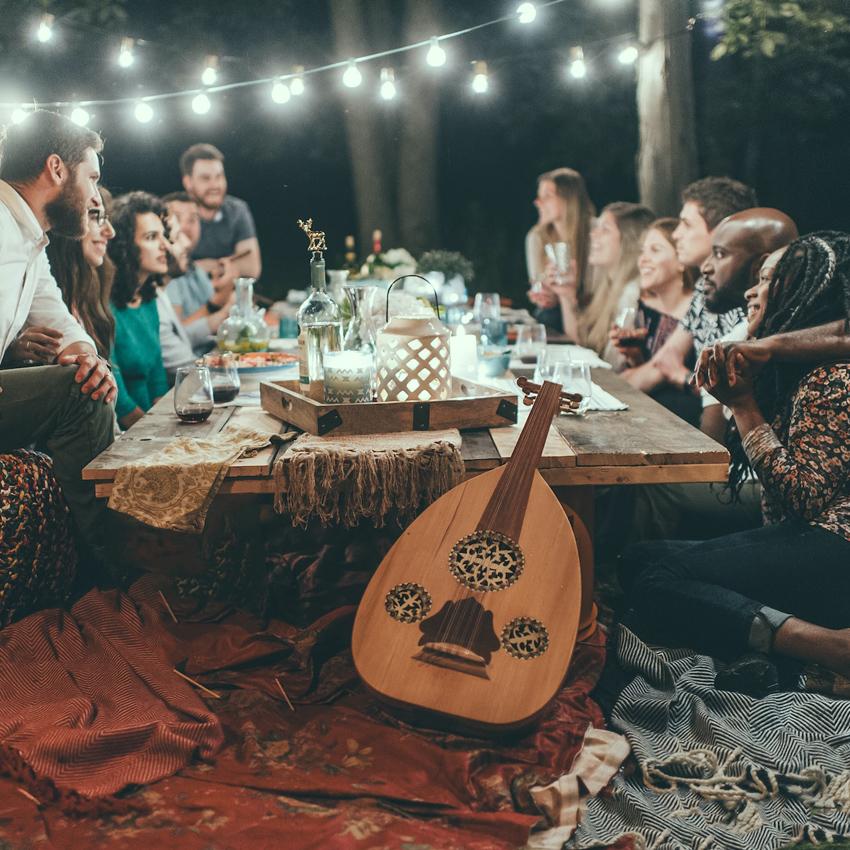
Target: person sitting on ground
[227, 227]
[666, 291]
[84, 274]
[782, 588]
[614, 247]
[139, 252]
[565, 213]
[49, 171]
[705, 204]
[200, 303]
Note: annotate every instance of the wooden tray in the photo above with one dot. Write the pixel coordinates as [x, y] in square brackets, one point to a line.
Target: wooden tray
[471, 405]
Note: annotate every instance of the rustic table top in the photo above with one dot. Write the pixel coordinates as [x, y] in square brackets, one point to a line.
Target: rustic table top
[645, 444]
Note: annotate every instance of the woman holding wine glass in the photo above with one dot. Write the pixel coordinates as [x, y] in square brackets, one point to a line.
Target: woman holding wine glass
[139, 252]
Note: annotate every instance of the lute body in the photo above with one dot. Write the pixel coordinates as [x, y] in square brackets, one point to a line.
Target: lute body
[473, 613]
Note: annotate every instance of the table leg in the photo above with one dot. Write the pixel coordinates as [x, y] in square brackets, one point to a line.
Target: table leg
[578, 505]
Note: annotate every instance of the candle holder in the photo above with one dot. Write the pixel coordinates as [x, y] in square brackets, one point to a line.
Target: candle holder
[348, 377]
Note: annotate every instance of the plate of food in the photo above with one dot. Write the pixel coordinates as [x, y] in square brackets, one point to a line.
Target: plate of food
[253, 362]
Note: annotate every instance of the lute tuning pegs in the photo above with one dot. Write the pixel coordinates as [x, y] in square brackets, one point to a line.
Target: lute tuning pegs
[568, 401]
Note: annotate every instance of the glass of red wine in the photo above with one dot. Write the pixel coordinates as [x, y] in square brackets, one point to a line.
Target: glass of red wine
[193, 394]
[225, 379]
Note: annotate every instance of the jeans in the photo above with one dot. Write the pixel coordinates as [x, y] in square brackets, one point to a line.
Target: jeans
[43, 405]
[707, 594]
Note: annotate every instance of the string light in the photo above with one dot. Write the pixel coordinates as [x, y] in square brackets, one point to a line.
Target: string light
[143, 112]
[19, 115]
[526, 12]
[281, 92]
[296, 85]
[125, 53]
[80, 116]
[210, 72]
[44, 31]
[578, 68]
[388, 91]
[628, 55]
[352, 76]
[435, 56]
[480, 82]
[201, 104]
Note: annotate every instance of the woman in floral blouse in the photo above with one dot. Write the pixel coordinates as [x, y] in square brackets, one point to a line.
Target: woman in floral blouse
[784, 587]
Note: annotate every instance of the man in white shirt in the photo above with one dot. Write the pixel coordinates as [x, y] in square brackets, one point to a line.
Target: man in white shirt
[49, 170]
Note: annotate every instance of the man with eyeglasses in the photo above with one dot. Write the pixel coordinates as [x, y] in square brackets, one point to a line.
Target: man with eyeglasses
[49, 171]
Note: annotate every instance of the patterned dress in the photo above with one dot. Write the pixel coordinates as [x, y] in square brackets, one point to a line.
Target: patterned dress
[803, 461]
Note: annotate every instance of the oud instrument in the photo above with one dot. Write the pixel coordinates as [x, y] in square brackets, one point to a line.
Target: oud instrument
[473, 613]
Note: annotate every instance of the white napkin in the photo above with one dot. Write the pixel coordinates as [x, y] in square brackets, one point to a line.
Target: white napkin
[601, 400]
[578, 354]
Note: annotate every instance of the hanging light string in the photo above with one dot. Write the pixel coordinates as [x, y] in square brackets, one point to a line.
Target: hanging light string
[299, 72]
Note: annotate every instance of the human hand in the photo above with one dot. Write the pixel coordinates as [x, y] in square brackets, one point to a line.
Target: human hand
[629, 343]
[672, 369]
[94, 375]
[727, 358]
[542, 296]
[225, 273]
[36, 345]
[732, 395]
[561, 280]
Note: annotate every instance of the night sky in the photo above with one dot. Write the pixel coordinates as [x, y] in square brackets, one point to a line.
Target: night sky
[292, 161]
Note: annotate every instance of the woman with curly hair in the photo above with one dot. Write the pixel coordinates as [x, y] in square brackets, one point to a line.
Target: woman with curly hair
[784, 587]
[139, 252]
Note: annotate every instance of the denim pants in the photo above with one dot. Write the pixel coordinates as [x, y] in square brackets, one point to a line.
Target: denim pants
[706, 594]
[43, 405]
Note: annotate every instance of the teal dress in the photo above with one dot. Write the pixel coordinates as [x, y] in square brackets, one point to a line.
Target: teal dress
[137, 357]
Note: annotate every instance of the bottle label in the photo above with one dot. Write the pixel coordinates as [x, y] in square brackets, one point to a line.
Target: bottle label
[303, 367]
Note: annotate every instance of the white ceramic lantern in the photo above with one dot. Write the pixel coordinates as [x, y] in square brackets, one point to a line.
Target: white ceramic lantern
[413, 361]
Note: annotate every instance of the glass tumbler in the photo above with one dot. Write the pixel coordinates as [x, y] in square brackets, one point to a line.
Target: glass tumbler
[193, 394]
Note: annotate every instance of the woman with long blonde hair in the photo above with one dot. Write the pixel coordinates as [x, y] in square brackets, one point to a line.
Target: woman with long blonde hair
[615, 244]
[565, 213]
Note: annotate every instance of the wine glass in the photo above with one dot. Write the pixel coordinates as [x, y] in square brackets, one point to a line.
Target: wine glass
[630, 321]
[576, 379]
[487, 305]
[193, 394]
[549, 360]
[530, 342]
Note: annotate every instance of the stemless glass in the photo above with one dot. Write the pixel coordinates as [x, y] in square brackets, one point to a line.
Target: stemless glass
[224, 375]
[193, 393]
[548, 362]
[576, 379]
[487, 305]
[530, 342]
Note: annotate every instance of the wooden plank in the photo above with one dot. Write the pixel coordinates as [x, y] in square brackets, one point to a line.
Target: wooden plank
[259, 463]
[478, 450]
[123, 451]
[556, 451]
[167, 425]
[671, 473]
[644, 435]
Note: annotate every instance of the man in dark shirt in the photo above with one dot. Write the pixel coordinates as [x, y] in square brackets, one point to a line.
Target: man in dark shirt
[227, 227]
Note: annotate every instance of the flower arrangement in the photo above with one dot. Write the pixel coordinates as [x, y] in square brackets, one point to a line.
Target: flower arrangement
[450, 263]
[389, 265]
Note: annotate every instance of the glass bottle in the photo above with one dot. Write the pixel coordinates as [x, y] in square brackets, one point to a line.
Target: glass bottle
[319, 327]
[244, 330]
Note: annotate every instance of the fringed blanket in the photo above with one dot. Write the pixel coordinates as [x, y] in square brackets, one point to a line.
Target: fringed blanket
[720, 770]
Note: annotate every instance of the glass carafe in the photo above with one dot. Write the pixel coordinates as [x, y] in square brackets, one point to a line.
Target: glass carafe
[245, 329]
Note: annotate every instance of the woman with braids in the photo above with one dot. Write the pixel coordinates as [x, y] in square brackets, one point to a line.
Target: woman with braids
[784, 587]
[139, 252]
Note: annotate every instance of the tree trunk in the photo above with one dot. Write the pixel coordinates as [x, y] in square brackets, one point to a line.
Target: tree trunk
[417, 171]
[373, 176]
[667, 157]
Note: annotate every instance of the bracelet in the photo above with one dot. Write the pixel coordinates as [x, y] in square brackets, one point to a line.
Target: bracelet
[212, 307]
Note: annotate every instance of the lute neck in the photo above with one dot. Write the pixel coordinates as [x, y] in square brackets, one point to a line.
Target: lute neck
[505, 511]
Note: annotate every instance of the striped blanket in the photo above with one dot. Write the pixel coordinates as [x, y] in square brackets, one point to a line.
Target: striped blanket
[718, 769]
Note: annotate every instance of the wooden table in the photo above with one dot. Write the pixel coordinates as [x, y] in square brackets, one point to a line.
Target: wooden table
[645, 444]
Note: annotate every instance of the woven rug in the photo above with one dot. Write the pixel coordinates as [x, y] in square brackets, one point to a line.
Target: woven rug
[720, 770]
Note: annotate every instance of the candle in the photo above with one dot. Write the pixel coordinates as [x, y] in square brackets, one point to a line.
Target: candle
[464, 354]
[348, 377]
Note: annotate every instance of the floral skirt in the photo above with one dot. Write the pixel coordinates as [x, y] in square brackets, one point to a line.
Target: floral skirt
[37, 554]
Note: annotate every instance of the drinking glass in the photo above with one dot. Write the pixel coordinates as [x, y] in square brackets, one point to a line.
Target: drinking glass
[627, 318]
[576, 379]
[548, 362]
[225, 379]
[530, 342]
[487, 305]
[193, 393]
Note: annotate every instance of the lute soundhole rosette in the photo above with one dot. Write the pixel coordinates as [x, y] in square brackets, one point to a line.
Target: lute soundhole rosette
[486, 561]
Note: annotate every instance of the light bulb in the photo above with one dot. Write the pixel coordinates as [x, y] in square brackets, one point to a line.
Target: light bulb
[143, 112]
[296, 85]
[210, 72]
[201, 104]
[480, 82]
[280, 92]
[578, 70]
[352, 76]
[44, 33]
[526, 12]
[80, 116]
[19, 115]
[125, 53]
[388, 91]
[628, 55]
[436, 56]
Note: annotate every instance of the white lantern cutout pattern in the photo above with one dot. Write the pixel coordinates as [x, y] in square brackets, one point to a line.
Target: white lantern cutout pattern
[413, 361]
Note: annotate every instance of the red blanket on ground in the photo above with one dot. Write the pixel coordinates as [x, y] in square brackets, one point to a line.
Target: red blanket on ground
[90, 701]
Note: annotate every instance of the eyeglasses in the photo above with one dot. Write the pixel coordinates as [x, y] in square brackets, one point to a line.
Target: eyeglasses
[98, 216]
